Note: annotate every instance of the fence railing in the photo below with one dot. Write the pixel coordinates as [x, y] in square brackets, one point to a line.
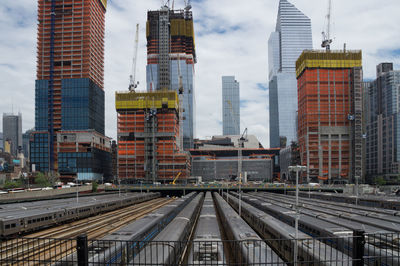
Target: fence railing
[359, 249]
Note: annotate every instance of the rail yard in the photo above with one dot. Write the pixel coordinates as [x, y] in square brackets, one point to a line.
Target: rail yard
[205, 228]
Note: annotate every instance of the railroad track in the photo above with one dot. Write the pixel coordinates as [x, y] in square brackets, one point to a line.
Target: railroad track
[57, 243]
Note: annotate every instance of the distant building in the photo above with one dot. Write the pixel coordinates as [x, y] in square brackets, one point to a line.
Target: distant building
[383, 124]
[292, 36]
[69, 89]
[170, 48]
[1, 142]
[12, 132]
[230, 106]
[25, 143]
[330, 115]
[217, 159]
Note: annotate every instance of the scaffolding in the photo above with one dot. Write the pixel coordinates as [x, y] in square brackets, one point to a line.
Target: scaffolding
[330, 114]
[148, 137]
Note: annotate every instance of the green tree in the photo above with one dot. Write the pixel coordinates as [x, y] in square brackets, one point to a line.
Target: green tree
[380, 181]
[12, 184]
[94, 186]
[41, 180]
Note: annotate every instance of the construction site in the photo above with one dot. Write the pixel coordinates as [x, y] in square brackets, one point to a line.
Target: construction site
[330, 115]
[155, 126]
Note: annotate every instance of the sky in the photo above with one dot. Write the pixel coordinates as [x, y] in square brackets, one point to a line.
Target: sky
[231, 39]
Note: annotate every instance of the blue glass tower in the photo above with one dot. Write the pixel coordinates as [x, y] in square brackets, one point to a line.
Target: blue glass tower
[291, 37]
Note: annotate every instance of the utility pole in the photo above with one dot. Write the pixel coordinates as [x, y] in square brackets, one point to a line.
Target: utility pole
[297, 169]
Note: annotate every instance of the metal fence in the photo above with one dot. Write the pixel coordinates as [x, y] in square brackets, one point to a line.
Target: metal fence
[360, 249]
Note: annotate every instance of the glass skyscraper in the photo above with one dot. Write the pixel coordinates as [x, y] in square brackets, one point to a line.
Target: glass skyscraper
[12, 132]
[230, 106]
[291, 37]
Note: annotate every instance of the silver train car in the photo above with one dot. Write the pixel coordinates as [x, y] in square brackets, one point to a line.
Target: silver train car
[124, 244]
[207, 247]
[251, 250]
[280, 237]
[167, 248]
[381, 248]
[29, 219]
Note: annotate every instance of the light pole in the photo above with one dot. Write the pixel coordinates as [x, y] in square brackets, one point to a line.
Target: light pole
[297, 169]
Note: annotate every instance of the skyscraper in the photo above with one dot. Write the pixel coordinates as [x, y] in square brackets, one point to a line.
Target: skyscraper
[12, 131]
[291, 37]
[171, 49]
[330, 115]
[69, 93]
[230, 106]
[383, 128]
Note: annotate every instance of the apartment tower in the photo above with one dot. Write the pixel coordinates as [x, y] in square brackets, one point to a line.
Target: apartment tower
[171, 57]
[69, 91]
[291, 37]
[230, 106]
[330, 115]
[383, 128]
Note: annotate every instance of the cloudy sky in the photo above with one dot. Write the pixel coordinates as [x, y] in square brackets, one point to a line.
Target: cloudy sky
[231, 39]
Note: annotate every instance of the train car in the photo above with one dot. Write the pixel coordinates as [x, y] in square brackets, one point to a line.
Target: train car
[33, 218]
[250, 250]
[122, 245]
[167, 248]
[280, 237]
[207, 247]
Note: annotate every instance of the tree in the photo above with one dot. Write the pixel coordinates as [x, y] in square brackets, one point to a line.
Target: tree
[12, 184]
[41, 180]
[380, 181]
[94, 186]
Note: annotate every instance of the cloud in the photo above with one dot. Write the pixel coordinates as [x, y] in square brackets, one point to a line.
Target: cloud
[231, 39]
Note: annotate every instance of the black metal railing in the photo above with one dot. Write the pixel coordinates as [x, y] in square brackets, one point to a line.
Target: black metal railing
[358, 249]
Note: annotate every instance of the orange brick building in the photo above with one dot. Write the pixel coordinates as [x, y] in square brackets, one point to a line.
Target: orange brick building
[330, 115]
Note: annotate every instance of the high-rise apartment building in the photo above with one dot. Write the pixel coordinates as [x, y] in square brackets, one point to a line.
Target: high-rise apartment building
[291, 37]
[330, 115]
[12, 132]
[383, 128]
[230, 106]
[171, 50]
[69, 93]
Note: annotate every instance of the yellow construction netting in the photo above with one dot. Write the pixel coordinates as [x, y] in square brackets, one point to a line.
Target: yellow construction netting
[145, 100]
[332, 59]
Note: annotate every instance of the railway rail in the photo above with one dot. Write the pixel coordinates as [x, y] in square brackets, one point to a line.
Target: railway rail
[34, 249]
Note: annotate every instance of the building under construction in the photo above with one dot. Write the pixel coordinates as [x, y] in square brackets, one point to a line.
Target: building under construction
[171, 57]
[69, 89]
[149, 145]
[330, 114]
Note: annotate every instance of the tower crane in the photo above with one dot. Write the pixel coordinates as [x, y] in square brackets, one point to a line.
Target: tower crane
[188, 6]
[132, 78]
[326, 38]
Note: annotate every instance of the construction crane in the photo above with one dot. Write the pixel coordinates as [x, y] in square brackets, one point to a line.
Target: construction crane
[187, 5]
[176, 178]
[180, 95]
[326, 38]
[132, 78]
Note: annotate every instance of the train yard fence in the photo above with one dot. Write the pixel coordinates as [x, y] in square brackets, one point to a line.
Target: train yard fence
[358, 249]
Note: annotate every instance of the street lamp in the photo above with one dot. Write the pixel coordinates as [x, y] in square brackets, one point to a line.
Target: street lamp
[297, 169]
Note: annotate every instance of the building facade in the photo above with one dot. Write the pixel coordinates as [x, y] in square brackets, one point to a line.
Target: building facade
[230, 106]
[149, 143]
[383, 124]
[69, 91]
[291, 37]
[171, 56]
[12, 132]
[330, 115]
